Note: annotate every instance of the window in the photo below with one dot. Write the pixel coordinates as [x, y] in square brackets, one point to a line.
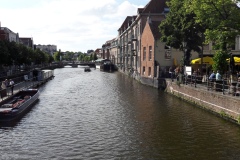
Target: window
[143, 71]
[144, 53]
[149, 71]
[150, 53]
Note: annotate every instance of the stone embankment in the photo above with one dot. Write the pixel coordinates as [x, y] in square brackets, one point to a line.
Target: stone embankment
[224, 105]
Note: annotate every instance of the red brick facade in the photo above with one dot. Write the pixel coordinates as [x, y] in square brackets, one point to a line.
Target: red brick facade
[147, 61]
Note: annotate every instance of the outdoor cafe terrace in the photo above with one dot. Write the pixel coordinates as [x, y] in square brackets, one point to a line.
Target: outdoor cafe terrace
[228, 85]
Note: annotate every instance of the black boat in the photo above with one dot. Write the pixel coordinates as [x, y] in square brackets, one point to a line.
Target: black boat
[17, 105]
[87, 69]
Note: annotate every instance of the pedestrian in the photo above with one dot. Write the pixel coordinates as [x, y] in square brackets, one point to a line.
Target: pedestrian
[218, 76]
[212, 76]
[11, 83]
[3, 86]
[6, 83]
[171, 72]
[198, 72]
[238, 74]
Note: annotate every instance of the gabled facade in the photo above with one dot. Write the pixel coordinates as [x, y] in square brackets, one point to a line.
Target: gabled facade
[113, 50]
[98, 52]
[7, 34]
[106, 50]
[130, 32]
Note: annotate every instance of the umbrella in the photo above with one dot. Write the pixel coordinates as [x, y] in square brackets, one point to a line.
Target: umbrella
[205, 60]
[236, 60]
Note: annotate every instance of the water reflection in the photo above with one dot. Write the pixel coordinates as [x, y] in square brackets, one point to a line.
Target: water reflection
[99, 115]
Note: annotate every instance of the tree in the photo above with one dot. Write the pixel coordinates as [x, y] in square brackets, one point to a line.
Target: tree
[57, 56]
[81, 57]
[222, 18]
[180, 30]
[4, 53]
[95, 56]
[220, 63]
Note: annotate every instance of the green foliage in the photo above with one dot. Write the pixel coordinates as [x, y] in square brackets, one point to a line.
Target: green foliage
[4, 53]
[95, 56]
[180, 26]
[220, 61]
[223, 114]
[18, 54]
[222, 19]
[238, 119]
[57, 56]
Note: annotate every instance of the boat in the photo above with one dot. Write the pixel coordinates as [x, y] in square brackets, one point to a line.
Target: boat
[104, 65]
[18, 104]
[87, 69]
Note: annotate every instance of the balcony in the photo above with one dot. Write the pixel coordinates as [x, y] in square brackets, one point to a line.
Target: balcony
[134, 38]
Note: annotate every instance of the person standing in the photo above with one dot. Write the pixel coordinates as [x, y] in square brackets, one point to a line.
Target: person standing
[3, 91]
[11, 83]
[3, 86]
[218, 76]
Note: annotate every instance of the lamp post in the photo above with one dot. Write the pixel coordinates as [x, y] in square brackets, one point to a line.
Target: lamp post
[201, 70]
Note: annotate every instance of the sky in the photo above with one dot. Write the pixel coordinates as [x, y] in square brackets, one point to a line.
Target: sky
[71, 25]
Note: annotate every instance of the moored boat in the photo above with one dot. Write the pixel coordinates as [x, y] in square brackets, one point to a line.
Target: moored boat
[17, 105]
[104, 65]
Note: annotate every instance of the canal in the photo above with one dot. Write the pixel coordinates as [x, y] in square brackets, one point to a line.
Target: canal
[97, 115]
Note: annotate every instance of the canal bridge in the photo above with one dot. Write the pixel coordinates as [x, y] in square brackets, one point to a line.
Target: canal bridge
[75, 64]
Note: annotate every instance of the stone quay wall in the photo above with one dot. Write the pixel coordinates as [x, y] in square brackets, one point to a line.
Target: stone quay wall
[224, 105]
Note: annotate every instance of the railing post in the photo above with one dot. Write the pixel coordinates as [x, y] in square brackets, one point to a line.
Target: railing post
[208, 84]
[223, 87]
[195, 81]
[191, 80]
[185, 77]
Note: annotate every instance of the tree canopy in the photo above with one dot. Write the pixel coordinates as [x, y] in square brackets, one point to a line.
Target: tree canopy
[222, 18]
[179, 30]
[13, 53]
[189, 20]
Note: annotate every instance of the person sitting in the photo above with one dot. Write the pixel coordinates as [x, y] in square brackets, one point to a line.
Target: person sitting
[218, 76]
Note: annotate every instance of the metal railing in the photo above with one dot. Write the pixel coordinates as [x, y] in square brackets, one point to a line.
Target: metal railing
[20, 84]
[224, 86]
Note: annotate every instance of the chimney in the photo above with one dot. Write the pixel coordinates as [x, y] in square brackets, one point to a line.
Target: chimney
[149, 20]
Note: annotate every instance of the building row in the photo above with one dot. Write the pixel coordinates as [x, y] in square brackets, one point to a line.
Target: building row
[138, 51]
[9, 35]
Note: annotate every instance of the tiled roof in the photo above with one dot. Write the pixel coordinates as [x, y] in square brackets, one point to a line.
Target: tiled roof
[155, 6]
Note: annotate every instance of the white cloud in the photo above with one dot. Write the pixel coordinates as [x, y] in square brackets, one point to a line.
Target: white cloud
[73, 25]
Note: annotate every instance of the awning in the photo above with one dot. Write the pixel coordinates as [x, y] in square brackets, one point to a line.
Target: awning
[205, 60]
[236, 60]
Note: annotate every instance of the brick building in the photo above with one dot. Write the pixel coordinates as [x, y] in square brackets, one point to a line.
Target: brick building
[130, 32]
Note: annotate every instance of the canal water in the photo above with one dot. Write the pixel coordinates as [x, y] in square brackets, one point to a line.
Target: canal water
[97, 115]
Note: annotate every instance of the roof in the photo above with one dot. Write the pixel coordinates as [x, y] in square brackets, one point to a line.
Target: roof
[101, 60]
[155, 30]
[128, 19]
[155, 6]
